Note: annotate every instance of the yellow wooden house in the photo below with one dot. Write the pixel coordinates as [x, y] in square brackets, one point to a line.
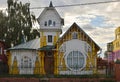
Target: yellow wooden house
[56, 53]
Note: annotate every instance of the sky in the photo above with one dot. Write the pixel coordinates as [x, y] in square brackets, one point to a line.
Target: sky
[99, 21]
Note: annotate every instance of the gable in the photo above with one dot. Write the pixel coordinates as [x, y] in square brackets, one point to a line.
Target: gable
[48, 12]
[81, 35]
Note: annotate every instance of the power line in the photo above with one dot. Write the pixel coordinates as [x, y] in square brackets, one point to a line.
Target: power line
[93, 3]
[79, 4]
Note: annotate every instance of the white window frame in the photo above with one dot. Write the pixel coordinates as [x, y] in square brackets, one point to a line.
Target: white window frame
[26, 65]
[54, 23]
[74, 35]
[45, 23]
[50, 37]
[72, 54]
[49, 22]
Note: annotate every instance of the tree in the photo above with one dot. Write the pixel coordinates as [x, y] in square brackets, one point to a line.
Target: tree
[3, 25]
[20, 23]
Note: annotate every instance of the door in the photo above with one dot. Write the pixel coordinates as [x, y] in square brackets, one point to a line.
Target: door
[49, 63]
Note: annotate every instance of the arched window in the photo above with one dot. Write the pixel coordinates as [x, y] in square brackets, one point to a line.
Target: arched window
[45, 24]
[74, 35]
[50, 23]
[54, 23]
[26, 62]
[26, 65]
[75, 60]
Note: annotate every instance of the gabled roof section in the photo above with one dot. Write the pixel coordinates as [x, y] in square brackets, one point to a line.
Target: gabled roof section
[51, 7]
[30, 45]
[75, 25]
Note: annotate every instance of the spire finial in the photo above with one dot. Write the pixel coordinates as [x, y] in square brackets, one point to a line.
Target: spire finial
[51, 5]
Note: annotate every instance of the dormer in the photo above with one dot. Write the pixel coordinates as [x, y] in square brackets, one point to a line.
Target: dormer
[49, 19]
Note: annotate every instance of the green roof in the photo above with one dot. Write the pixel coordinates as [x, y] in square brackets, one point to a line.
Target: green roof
[48, 47]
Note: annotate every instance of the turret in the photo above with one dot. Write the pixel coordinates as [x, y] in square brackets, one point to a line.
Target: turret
[50, 25]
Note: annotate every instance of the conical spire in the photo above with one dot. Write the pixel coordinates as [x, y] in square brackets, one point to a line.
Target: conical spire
[51, 5]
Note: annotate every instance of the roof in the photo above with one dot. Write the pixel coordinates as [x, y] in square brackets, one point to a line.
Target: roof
[30, 45]
[48, 47]
[75, 25]
[51, 7]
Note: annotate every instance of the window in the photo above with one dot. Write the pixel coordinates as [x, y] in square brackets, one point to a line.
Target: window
[30, 63]
[26, 65]
[1, 50]
[54, 23]
[75, 60]
[21, 63]
[49, 38]
[50, 22]
[45, 23]
[26, 62]
[118, 35]
[74, 35]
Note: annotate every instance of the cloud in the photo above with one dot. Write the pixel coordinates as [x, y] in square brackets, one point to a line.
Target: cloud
[3, 4]
[111, 13]
[106, 24]
[101, 36]
[88, 27]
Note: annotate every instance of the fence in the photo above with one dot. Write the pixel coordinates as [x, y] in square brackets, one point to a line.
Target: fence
[29, 72]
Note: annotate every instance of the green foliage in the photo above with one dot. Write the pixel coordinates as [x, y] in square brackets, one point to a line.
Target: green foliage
[18, 24]
[3, 25]
[20, 21]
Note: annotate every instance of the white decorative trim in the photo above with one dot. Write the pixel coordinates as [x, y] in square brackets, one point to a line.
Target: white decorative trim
[71, 68]
[76, 72]
[74, 45]
[21, 54]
